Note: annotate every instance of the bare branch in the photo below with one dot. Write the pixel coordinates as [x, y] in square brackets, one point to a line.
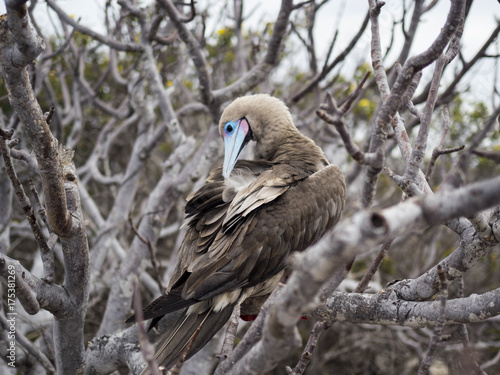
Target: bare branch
[488, 154]
[331, 114]
[152, 254]
[252, 336]
[22, 99]
[194, 49]
[449, 93]
[385, 308]
[130, 47]
[229, 339]
[464, 335]
[413, 166]
[45, 251]
[394, 101]
[411, 32]
[192, 15]
[374, 266]
[327, 69]
[260, 71]
[306, 357]
[353, 236]
[25, 283]
[147, 349]
[455, 177]
[438, 328]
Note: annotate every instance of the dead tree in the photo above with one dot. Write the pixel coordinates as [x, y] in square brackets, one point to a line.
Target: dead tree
[103, 135]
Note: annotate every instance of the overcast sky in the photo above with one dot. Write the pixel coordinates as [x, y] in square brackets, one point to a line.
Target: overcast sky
[481, 18]
[480, 23]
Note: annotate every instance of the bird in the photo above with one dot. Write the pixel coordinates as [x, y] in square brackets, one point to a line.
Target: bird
[245, 221]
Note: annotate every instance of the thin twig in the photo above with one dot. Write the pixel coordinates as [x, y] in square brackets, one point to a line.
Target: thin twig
[41, 211]
[50, 114]
[232, 328]
[471, 362]
[147, 349]
[437, 152]
[334, 117]
[363, 284]
[38, 204]
[131, 47]
[46, 254]
[438, 329]
[253, 335]
[192, 15]
[455, 177]
[354, 95]
[61, 48]
[300, 367]
[440, 150]
[488, 154]
[409, 187]
[328, 68]
[152, 253]
[332, 114]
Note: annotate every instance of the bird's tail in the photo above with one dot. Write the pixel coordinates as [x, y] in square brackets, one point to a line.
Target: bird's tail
[198, 328]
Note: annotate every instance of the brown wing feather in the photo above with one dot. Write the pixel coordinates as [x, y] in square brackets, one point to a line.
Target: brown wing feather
[222, 256]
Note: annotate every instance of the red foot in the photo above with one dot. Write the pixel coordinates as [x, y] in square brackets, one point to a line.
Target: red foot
[248, 318]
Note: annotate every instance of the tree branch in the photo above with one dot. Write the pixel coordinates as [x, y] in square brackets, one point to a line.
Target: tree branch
[45, 252]
[386, 308]
[22, 99]
[351, 237]
[260, 71]
[129, 47]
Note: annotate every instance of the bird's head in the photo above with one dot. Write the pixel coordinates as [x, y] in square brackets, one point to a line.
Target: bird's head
[261, 118]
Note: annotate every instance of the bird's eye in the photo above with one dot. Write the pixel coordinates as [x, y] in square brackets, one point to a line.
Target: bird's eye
[229, 128]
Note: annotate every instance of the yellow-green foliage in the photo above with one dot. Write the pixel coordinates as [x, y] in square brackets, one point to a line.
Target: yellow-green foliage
[365, 108]
[221, 45]
[359, 266]
[388, 266]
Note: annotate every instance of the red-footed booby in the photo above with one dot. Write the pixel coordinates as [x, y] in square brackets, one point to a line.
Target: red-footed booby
[245, 220]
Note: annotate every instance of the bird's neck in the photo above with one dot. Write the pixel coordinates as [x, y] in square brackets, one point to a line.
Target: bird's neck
[296, 149]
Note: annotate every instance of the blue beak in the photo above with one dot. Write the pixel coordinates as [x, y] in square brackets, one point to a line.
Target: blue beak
[235, 139]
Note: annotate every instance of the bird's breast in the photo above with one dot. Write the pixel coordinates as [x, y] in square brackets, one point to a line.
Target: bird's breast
[235, 183]
[239, 181]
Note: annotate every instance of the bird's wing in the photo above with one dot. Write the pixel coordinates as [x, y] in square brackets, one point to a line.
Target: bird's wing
[268, 186]
[241, 243]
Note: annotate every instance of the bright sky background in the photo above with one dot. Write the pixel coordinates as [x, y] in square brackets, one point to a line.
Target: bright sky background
[480, 23]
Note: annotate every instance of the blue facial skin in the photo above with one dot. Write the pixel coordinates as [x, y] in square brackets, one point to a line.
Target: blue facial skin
[235, 137]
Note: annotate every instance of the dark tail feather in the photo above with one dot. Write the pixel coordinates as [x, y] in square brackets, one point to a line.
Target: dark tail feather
[164, 304]
[174, 342]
